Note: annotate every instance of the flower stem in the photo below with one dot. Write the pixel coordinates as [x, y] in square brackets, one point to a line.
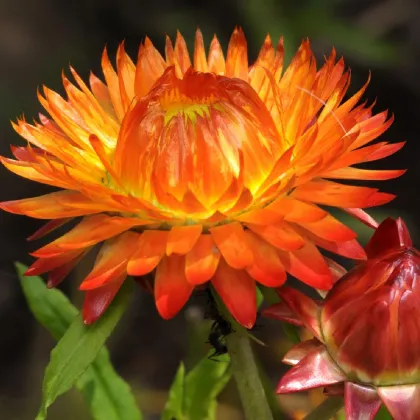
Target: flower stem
[327, 409]
[247, 378]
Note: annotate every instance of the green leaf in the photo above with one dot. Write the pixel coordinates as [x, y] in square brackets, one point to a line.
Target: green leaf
[194, 396]
[50, 307]
[174, 406]
[107, 395]
[105, 392]
[202, 386]
[383, 414]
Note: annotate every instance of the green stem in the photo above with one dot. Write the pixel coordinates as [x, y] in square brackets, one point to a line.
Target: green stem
[326, 410]
[247, 378]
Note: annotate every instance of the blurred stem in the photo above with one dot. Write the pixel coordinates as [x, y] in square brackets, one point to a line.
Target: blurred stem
[327, 409]
[244, 368]
[247, 378]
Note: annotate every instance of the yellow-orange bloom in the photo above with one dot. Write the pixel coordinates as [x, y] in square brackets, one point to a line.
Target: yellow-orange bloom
[203, 170]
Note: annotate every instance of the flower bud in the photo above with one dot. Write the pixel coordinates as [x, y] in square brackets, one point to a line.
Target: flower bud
[367, 331]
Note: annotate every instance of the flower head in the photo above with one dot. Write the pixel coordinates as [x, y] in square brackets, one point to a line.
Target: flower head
[203, 170]
[367, 331]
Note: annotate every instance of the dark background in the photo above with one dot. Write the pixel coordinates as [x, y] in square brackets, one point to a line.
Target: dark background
[40, 38]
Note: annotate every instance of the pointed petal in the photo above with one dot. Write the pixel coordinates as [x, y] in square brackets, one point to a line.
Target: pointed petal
[200, 60]
[97, 300]
[111, 262]
[57, 205]
[150, 250]
[172, 289]
[361, 402]
[282, 312]
[301, 350]
[89, 231]
[42, 265]
[339, 195]
[58, 274]
[150, 66]
[308, 265]
[267, 268]
[202, 261]
[330, 229]
[315, 370]
[181, 53]
[390, 235]
[216, 59]
[237, 56]
[232, 243]
[403, 402]
[48, 227]
[304, 308]
[281, 235]
[181, 239]
[238, 292]
[364, 174]
[364, 217]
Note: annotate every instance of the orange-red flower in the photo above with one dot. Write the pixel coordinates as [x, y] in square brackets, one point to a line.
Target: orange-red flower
[367, 331]
[203, 170]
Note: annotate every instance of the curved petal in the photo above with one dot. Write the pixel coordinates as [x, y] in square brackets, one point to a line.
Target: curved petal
[111, 262]
[97, 300]
[172, 289]
[150, 250]
[403, 402]
[301, 350]
[181, 239]
[89, 231]
[237, 56]
[202, 261]
[267, 268]
[238, 292]
[232, 243]
[313, 371]
[361, 402]
[304, 308]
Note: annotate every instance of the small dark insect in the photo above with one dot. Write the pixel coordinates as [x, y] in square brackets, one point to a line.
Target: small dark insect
[220, 328]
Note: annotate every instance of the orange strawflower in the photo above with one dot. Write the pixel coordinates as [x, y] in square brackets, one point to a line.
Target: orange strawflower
[209, 170]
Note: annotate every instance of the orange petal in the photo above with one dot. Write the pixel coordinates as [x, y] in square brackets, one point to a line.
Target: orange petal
[171, 287]
[238, 292]
[113, 85]
[202, 261]
[89, 231]
[297, 211]
[111, 262]
[97, 300]
[181, 53]
[237, 56]
[181, 239]
[339, 195]
[232, 242]
[330, 229]
[267, 268]
[216, 59]
[200, 61]
[58, 274]
[150, 250]
[54, 205]
[260, 217]
[281, 235]
[364, 174]
[308, 265]
[150, 66]
[47, 228]
[42, 265]
[364, 217]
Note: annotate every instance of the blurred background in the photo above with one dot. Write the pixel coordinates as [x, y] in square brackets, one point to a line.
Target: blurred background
[39, 38]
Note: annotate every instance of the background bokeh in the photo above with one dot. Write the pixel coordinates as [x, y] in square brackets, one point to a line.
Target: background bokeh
[39, 38]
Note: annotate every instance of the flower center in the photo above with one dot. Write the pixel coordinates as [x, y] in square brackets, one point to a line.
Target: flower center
[197, 146]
